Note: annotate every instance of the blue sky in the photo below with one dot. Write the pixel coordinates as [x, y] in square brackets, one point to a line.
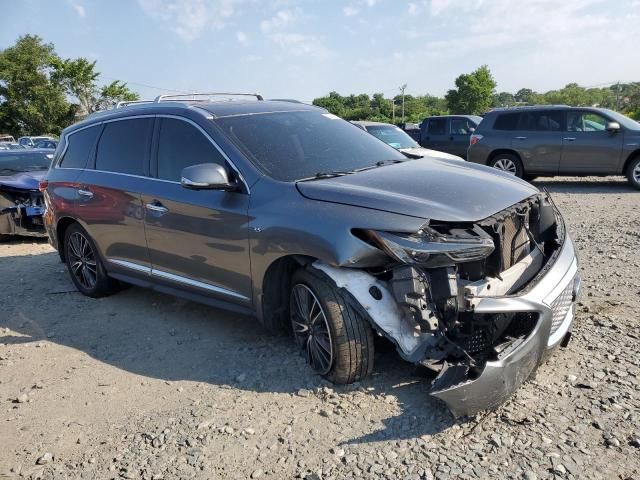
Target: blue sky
[304, 49]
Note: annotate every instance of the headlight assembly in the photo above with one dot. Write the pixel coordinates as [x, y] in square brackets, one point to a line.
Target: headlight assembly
[431, 248]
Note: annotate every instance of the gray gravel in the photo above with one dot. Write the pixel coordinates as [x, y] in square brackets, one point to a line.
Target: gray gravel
[145, 386]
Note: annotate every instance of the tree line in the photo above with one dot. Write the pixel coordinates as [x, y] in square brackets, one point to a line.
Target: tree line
[474, 94]
[42, 93]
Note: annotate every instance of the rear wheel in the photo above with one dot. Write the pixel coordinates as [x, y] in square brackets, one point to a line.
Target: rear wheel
[633, 173]
[336, 340]
[507, 163]
[84, 264]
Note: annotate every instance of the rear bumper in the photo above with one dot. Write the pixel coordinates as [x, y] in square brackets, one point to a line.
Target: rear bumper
[552, 300]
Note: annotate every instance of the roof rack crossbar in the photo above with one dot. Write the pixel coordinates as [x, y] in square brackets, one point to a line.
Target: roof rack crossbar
[182, 96]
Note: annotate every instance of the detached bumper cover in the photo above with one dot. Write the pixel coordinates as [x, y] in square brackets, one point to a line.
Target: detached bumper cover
[552, 299]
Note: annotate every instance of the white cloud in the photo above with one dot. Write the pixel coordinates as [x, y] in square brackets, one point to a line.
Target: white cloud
[350, 11]
[242, 38]
[280, 20]
[412, 9]
[190, 18]
[298, 44]
[370, 3]
[79, 9]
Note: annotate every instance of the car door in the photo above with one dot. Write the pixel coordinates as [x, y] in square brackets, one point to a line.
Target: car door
[538, 140]
[588, 147]
[197, 239]
[108, 196]
[460, 132]
[436, 134]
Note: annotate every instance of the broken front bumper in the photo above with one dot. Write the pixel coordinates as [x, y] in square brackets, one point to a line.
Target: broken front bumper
[552, 300]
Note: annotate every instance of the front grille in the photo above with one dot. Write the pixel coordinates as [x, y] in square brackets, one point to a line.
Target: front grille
[560, 306]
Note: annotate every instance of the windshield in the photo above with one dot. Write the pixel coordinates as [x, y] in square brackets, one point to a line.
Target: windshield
[291, 146]
[12, 163]
[623, 120]
[392, 136]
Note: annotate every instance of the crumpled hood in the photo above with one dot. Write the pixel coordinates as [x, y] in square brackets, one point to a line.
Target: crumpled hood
[446, 190]
[428, 153]
[23, 181]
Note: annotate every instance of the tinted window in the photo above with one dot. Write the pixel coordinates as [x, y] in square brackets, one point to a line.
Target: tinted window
[461, 126]
[295, 145]
[506, 121]
[80, 144]
[541, 121]
[586, 122]
[437, 126]
[123, 146]
[182, 145]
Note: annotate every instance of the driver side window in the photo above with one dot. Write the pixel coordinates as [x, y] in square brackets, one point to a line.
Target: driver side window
[586, 122]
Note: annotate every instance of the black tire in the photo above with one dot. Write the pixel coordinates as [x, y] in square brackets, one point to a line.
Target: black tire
[509, 163]
[351, 337]
[633, 172]
[530, 178]
[84, 264]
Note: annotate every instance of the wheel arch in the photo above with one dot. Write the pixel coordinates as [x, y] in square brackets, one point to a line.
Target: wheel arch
[503, 151]
[61, 228]
[630, 158]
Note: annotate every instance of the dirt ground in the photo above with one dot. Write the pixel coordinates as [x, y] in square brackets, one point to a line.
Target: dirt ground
[142, 385]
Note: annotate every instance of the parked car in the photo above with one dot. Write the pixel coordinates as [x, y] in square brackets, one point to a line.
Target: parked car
[398, 139]
[448, 133]
[287, 212]
[21, 204]
[50, 144]
[10, 146]
[30, 142]
[558, 140]
[7, 138]
[411, 129]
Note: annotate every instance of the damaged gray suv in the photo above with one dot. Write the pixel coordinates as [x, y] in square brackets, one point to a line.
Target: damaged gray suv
[287, 212]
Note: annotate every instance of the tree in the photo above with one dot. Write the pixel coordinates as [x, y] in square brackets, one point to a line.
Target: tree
[474, 92]
[524, 95]
[30, 104]
[79, 79]
[503, 99]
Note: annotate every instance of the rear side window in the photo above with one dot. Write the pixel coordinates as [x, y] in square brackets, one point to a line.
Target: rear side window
[437, 126]
[506, 121]
[182, 145]
[461, 126]
[123, 146]
[79, 146]
[541, 121]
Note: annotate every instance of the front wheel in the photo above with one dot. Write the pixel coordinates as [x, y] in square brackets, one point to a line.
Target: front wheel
[633, 173]
[336, 340]
[508, 163]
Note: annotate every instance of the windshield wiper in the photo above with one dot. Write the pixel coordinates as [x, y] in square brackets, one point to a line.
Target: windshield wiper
[381, 163]
[330, 174]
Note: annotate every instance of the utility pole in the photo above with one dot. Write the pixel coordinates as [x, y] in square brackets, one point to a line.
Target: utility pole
[618, 96]
[393, 110]
[402, 88]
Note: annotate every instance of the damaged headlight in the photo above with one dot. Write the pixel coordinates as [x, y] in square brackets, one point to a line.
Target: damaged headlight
[431, 248]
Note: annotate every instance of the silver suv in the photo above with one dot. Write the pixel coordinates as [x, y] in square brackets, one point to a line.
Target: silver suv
[558, 140]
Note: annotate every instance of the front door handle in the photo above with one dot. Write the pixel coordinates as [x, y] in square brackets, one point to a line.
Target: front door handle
[157, 207]
[569, 139]
[85, 193]
[520, 138]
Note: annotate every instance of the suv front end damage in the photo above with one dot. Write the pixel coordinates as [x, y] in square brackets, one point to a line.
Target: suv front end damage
[481, 302]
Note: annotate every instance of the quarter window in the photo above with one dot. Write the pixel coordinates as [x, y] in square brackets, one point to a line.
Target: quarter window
[586, 122]
[437, 126]
[541, 121]
[123, 146]
[507, 121]
[182, 145]
[79, 146]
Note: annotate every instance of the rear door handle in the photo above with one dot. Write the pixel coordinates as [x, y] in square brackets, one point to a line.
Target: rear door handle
[157, 207]
[85, 193]
[520, 138]
[569, 139]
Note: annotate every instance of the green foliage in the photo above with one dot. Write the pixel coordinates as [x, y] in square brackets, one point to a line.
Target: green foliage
[29, 102]
[474, 92]
[35, 83]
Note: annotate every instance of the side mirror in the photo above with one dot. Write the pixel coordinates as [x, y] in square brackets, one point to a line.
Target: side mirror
[472, 129]
[206, 176]
[613, 126]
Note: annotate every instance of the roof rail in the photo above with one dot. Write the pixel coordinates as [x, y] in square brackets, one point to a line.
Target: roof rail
[176, 97]
[131, 102]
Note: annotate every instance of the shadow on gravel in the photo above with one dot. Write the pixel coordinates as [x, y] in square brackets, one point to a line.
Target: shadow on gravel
[163, 337]
[599, 186]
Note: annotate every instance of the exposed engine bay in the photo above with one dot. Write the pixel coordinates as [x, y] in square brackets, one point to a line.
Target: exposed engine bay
[21, 212]
[424, 299]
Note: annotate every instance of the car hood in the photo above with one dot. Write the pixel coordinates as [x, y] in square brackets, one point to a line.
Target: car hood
[426, 152]
[23, 181]
[446, 190]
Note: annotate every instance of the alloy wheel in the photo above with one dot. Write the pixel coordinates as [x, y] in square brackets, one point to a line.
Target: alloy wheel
[636, 174]
[506, 165]
[82, 261]
[311, 328]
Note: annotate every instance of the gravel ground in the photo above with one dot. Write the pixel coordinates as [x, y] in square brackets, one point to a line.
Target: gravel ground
[143, 385]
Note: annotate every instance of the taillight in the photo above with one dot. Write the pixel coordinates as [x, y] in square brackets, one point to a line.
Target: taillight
[43, 185]
[475, 138]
